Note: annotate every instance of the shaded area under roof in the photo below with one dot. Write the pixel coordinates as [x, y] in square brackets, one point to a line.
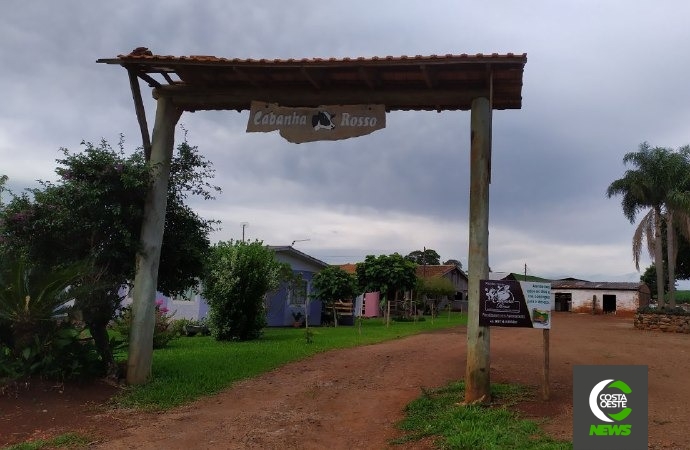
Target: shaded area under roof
[448, 82]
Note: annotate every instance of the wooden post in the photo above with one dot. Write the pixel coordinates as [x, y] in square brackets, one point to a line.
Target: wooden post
[151, 240]
[546, 391]
[477, 371]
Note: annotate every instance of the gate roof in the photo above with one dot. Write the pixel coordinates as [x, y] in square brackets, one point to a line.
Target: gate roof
[448, 82]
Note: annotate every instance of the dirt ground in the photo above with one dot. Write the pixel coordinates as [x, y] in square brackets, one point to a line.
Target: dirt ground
[351, 399]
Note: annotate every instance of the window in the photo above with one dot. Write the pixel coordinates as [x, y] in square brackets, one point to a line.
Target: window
[298, 290]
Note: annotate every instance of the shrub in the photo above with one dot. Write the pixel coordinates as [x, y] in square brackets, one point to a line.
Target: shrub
[61, 354]
[238, 277]
[163, 331]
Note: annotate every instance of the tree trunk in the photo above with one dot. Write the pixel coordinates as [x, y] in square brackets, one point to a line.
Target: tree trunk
[99, 333]
[151, 241]
[671, 256]
[659, 258]
[478, 365]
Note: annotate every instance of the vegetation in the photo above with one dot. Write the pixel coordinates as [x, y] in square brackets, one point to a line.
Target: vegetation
[659, 184]
[215, 365]
[453, 262]
[387, 274]
[238, 276]
[332, 284]
[437, 414]
[92, 217]
[68, 440]
[427, 256]
[163, 332]
[435, 289]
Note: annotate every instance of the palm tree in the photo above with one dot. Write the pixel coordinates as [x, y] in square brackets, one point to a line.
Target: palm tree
[659, 183]
[30, 298]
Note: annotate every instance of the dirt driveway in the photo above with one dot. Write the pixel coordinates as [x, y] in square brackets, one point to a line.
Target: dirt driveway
[351, 399]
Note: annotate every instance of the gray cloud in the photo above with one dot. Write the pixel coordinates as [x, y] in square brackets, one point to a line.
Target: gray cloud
[600, 79]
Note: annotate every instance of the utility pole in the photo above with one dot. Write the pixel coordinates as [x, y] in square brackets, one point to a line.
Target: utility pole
[244, 225]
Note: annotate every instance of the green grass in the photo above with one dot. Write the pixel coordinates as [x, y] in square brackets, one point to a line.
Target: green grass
[193, 367]
[682, 296]
[437, 414]
[69, 440]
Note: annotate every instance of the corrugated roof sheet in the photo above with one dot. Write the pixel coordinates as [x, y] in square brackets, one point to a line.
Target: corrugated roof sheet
[599, 285]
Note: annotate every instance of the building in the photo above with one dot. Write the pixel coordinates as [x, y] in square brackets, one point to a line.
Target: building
[291, 303]
[456, 276]
[599, 297]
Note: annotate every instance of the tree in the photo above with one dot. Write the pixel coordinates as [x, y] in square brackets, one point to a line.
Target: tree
[453, 262]
[387, 274]
[93, 215]
[427, 256]
[435, 288]
[332, 284]
[238, 276]
[658, 183]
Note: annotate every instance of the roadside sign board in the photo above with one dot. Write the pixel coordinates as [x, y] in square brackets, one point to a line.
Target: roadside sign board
[324, 123]
[509, 303]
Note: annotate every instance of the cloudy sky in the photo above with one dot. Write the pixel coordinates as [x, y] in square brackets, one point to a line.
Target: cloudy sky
[600, 78]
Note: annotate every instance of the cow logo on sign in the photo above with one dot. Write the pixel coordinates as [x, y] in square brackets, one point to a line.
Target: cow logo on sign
[501, 299]
[323, 120]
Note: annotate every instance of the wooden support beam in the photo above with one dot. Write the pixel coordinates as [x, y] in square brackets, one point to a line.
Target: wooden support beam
[477, 371]
[140, 112]
[191, 99]
[151, 240]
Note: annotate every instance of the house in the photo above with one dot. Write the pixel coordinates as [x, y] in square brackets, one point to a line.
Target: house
[291, 302]
[597, 297]
[456, 276]
[290, 298]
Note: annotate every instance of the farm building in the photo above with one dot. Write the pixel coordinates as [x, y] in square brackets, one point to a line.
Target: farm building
[456, 276]
[597, 297]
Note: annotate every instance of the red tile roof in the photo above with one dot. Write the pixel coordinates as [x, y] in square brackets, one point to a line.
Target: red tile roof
[435, 82]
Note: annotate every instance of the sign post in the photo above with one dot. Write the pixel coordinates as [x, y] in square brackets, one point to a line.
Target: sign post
[508, 303]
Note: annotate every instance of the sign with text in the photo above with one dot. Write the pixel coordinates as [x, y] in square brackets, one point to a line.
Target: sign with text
[324, 123]
[508, 303]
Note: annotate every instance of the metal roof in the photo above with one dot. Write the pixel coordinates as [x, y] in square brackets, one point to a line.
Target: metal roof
[447, 82]
[599, 285]
[300, 255]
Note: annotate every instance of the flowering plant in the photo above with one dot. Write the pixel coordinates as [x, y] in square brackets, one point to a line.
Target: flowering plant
[163, 331]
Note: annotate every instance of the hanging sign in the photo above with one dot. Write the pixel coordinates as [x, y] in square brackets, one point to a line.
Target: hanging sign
[324, 123]
[508, 303]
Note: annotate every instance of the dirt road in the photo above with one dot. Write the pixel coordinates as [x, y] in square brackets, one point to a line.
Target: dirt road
[351, 399]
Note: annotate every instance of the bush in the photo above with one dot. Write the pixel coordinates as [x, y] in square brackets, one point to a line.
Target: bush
[63, 355]
[238, 277]
[163, 331]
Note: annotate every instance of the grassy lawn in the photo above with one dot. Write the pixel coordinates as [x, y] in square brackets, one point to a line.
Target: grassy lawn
[438, 415]
[683, 296]
[191, 367]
